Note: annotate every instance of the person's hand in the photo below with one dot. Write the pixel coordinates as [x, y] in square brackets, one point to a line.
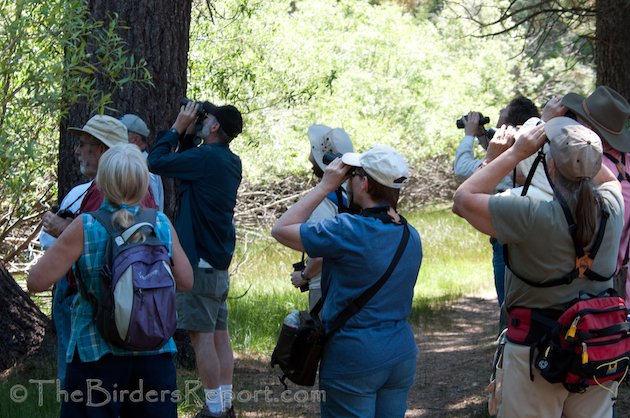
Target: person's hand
[186, 117]
[297, 280]
[530, 141]
[502, 140]
[471, 124]
[54, 225]
[553, 108]
[334, 175]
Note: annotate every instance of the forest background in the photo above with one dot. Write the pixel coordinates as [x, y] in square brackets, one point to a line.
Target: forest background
[393, 72]
[398, 73]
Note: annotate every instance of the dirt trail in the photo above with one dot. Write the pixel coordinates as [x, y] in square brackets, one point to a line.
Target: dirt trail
[457, 344]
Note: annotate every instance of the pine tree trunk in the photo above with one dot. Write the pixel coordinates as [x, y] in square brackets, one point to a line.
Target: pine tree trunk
[612, 51]
[158, 31]
[22, 323]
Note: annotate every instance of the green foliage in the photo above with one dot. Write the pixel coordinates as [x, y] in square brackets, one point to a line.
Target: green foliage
[385, 75]
[46, 65]
[457, 261]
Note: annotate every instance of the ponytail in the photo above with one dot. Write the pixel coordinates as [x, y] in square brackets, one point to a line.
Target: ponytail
[586, 208]
[124, 219]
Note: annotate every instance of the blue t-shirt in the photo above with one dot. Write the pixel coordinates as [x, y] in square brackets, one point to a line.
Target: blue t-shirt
[357, 250]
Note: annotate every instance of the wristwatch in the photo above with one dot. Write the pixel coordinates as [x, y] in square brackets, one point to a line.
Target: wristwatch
[303, 276]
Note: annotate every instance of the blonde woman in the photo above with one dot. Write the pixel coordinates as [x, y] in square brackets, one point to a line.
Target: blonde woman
[102, 373]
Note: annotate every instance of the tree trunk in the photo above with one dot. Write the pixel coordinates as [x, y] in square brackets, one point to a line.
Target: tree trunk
[158, 31]
[612, 50]
[22, 324]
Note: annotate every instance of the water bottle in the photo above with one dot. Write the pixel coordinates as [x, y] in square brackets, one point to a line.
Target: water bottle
[292, 320]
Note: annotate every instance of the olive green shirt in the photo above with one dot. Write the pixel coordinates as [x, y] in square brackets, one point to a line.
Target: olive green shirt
[540, 248]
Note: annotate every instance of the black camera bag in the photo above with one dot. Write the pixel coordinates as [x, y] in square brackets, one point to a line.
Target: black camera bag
[299, 350]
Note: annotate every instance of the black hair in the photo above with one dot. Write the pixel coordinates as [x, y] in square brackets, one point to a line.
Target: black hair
[519, 110]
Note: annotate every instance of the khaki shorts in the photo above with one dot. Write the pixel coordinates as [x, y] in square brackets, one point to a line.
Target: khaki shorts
[204, 307]
[523, 397]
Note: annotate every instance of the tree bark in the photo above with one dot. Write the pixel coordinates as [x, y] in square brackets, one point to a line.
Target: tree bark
[22, 323]
[612, 45]
[158, 31]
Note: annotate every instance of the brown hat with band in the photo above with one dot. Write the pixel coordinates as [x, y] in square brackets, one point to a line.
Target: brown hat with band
[606, 111]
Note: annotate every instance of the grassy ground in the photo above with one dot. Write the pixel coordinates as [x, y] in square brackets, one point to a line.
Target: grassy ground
[456, 262]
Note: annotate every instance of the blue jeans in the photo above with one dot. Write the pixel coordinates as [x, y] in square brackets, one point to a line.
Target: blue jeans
[62, 316]
[131, 386]
[498, 265]
[380, 394]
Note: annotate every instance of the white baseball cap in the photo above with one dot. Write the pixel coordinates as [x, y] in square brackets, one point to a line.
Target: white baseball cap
[382, 163]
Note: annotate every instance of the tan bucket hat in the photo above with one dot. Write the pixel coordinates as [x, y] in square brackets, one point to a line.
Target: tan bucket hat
[110, 131]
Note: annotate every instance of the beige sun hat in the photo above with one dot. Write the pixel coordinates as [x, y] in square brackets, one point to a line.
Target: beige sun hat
[324, 139]
[110, 131]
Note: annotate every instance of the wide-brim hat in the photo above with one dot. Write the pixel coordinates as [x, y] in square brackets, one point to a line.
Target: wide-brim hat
[382, 163]
[324, 139]
[110, 131]
[606, 111]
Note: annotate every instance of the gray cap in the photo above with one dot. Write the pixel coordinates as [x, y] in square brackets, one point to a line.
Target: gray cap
[576, 150]
[135, 124]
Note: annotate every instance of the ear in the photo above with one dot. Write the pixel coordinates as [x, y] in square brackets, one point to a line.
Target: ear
[215, 127]
[364, 183]
[102, 148]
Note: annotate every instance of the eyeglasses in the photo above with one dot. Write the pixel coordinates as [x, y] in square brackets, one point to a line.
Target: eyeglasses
[356, 173]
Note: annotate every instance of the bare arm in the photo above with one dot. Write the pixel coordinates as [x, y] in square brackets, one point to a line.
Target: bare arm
[182, 270]
[313, 268]
[59, 258]
[471, 200]
[287, 229]
[605, 175]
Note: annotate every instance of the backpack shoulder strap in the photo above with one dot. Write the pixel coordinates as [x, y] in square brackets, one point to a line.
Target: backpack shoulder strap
[104, 217]
[575, 273]
[621, 166]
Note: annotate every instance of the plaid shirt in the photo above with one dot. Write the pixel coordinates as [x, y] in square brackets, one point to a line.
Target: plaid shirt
[85, 337]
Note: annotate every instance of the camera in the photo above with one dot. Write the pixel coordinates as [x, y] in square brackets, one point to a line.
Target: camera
[63, 213]
[201, 111]
[299, 266]
[482, 121]
[329, 157]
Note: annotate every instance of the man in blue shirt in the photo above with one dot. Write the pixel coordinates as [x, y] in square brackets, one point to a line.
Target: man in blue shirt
[209, 174]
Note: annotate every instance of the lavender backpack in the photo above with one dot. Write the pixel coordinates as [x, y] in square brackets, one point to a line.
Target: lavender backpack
[136, 306]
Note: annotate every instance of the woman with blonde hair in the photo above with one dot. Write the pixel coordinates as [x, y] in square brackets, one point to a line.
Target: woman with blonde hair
[104, 374]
